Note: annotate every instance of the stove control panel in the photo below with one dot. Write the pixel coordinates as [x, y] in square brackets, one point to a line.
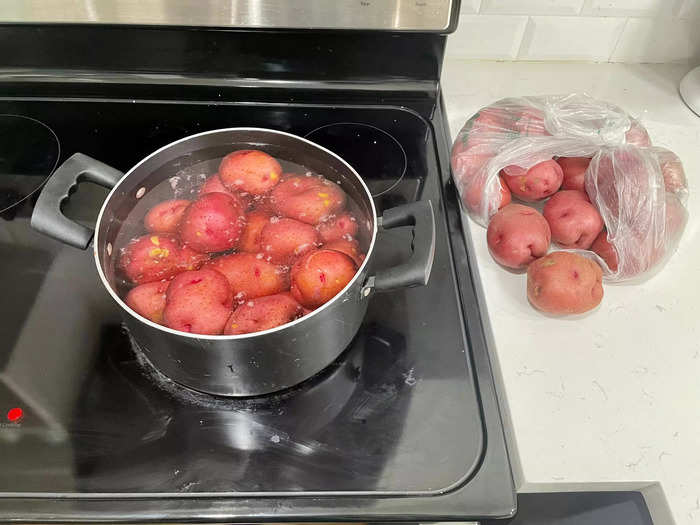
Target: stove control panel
[393, 15]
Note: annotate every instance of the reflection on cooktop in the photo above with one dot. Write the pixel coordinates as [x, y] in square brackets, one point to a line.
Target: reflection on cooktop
[374, 153]
[316, 430]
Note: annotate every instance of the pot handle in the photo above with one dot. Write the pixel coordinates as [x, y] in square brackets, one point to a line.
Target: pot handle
[47, 216]
[415, 271]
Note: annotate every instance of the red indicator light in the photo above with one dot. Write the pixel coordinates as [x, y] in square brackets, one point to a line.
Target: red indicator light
[15, 414]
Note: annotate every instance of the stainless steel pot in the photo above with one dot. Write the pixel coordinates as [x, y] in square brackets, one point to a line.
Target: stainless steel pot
[248, 364]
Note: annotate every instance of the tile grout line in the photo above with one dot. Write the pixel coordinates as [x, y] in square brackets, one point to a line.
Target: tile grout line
[619, 38]
[523, 36]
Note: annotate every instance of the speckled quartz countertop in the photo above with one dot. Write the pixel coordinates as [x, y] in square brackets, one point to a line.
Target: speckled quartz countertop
[609, 401]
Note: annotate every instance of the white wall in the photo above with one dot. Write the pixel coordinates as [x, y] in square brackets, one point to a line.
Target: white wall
[590, 30]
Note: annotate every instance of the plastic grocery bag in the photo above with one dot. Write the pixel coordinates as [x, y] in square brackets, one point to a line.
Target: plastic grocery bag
[518, 133]
[641, 195]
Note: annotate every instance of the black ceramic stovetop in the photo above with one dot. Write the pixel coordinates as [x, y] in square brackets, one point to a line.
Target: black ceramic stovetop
[397, 415]
[404, 426]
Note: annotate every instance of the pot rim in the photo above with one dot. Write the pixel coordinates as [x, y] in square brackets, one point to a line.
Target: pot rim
[317, 311]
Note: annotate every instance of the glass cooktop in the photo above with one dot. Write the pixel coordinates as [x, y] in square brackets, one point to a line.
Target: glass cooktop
[83, 415]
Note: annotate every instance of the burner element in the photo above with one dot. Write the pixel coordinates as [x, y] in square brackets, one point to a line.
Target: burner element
[29, 152]
[375, 154]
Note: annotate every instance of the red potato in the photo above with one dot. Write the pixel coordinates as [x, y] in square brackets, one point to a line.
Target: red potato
[466, 161]
[250, 238]
[148, 300]
[262, 204]
[307, 199]
[564, 283]
[539, 182]
[213, 184]
[250, 276]
[188, 259]
[343, 226]
[251, 171]
[623, 173]
[574, 222]
[213, 223]
[637, 135]
[198, 302]
[349, 248]
[671, 170]
[283, 240]
[151, 258]
[263, 313]
[474, 195]
[466, 165]
[605, 250]
[165, 217]
[531, 123]
[517, 235]
[574, 169]
[494, 120]
[320, 275]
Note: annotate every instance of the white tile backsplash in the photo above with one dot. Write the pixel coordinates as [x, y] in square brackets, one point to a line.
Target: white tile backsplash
[532, 7]
[570, 38]
[642, 41]
[487, 37]
[589, 30]
[630, 7]
[688, 9]
[470, 7]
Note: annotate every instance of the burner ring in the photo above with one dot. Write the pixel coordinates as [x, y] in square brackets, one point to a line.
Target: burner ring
[29, 153]
[376, 155]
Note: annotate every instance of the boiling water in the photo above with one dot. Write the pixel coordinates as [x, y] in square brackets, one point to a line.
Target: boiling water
[185, 184]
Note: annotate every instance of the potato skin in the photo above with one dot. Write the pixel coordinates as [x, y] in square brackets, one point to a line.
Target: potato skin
[342, 226]
[605, 250]
[151, 258]
[252, 171]
[198, 302]
[148, 300]
[263, 313]
[637, 135]
[474, 194]
[250, 276]
[284, 240]
[213, 184]
[250, 238]
[349, 248]
[537, 183]
[165, 216]
[307, 199]
[574, 169]
[517, 235]
[213, 223]
[563, 283]
[671, 170]
[189, 259]
[575, 222]
[319, 276]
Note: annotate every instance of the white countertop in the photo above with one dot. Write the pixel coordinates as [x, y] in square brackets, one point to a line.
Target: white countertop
[610, 401]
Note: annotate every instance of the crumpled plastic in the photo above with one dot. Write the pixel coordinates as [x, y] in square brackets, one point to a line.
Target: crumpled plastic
[640, 191]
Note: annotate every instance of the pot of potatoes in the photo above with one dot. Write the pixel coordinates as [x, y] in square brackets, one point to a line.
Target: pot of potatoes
[241, 258]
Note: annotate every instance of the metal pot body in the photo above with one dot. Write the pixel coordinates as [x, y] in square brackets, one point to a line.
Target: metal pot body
[249, 364]
[255, 365]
